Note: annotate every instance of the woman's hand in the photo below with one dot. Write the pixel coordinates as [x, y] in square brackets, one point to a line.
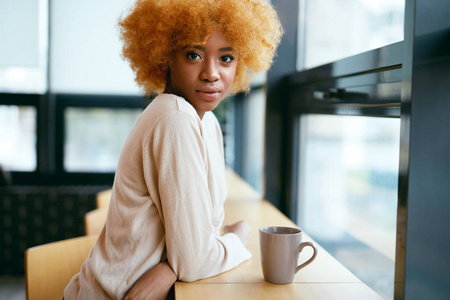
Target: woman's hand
[241, 229]
[154, 284]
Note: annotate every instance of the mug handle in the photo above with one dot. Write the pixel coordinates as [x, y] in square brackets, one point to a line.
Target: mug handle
[300, 248]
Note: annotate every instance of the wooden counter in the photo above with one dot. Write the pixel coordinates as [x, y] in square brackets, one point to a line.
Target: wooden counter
[324, 278]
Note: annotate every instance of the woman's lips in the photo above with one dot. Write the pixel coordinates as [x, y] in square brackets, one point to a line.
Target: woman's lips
[209, 93]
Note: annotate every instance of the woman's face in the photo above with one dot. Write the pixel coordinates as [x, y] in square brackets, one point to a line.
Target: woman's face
[203, 74]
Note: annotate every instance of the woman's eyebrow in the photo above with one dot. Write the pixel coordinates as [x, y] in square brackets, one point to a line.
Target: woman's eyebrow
[225, 49]
[199, 47]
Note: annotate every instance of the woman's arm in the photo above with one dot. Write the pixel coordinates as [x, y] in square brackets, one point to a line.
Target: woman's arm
[195, 249]
[154, 284]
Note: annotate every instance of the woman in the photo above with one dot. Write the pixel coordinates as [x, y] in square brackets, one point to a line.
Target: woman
[166, 208]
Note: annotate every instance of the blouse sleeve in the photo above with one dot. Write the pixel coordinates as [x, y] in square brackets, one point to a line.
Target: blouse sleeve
[195, 249]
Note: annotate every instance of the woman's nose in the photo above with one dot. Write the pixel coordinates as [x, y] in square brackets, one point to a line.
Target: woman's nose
[210, 72]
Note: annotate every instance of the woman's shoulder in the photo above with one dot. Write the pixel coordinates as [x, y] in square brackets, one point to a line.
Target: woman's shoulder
[170, 113]
[165, 105]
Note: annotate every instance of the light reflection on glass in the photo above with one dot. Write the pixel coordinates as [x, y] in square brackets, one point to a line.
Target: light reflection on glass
[348, 192]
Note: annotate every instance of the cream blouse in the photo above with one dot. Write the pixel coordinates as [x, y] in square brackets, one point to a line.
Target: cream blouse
[167, 202]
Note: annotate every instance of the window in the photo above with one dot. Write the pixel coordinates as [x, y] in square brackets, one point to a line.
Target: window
[347, 165]
[423, 65]
[345, 126]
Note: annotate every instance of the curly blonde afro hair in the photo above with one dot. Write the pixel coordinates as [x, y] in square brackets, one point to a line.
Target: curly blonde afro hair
[153, 29]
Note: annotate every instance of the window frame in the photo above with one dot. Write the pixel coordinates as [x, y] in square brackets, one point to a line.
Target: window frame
[50, 124]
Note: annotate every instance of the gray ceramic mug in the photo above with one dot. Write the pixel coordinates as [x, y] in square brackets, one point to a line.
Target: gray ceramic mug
[280, 248]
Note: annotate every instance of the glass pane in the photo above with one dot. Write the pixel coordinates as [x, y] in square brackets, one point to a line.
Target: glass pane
[253, 138]
[229, 133]
[24, 43]
[18, 137]
[244, 135]
[94, 137]
[348, 192]
[334, 29]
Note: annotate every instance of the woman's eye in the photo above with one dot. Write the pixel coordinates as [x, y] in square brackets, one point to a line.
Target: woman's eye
[193, 56]
[227, 58]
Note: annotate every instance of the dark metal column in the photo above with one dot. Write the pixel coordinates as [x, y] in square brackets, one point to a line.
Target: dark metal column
[277, 102]
[424, 186]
